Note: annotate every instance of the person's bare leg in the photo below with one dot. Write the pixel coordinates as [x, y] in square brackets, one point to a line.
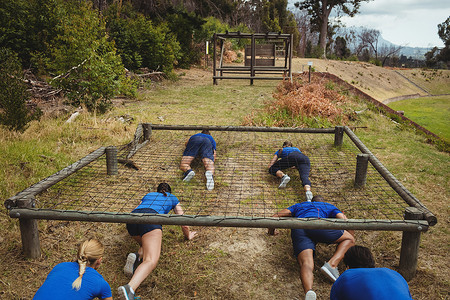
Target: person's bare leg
[344, 243]
[279, 174]
[186, 163]
[306, 261]
[209, 165]
[307, 188]
[151, 250]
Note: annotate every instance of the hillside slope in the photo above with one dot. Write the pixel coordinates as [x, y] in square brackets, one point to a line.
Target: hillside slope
[380, 83]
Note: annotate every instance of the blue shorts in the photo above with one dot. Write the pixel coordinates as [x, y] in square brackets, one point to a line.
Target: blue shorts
[303, 239]
[199, 146]
[141, 229]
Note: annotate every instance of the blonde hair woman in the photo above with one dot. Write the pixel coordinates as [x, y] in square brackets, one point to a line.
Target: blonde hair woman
[77, 280]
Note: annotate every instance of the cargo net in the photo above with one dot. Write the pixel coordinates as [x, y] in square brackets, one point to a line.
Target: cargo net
[243, 186]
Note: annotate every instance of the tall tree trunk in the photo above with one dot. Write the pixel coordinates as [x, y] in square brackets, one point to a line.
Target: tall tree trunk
[324, 26]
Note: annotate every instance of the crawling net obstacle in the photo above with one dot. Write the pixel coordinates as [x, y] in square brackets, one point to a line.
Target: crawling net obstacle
[107, 184]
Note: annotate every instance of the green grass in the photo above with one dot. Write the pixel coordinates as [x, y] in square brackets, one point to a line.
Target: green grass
[195, 269]
[430, 112]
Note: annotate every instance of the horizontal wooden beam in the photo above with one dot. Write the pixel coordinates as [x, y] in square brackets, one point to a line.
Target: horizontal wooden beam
[220, 221]
[241, 128]
[53, 179]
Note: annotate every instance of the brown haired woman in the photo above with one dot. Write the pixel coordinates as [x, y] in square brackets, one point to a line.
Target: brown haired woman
[77, 280]
[149, 237]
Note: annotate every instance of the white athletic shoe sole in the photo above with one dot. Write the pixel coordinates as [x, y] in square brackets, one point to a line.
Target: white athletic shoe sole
[310, 295]
[284, 182]
[209, 180]
[189, 176]
[128, 268]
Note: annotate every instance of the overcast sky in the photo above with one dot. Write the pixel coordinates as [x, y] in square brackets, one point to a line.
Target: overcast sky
[404, 22]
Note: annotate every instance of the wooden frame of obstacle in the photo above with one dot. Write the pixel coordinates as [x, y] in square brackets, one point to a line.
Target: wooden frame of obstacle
[417, 218]
[260, 61]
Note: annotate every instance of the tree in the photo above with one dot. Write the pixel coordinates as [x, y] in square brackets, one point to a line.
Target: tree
[91, 72]
[368, 39]
[340, 48]
[389, 52]
[14, 113]
[320, 11]
[444, 31]
[436, 57]
[444, 34]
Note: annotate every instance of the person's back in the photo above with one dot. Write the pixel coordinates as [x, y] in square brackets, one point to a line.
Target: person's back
[77, 280]
[370, 284]
[58, 284]
[363, 281]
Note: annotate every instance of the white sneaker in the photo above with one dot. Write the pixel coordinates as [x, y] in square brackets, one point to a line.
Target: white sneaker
[310, 295]
[209, 180]
[309, 196]
[284, 181]
[188, 175]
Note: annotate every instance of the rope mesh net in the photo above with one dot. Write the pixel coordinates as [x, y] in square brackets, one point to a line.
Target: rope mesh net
[243, 186]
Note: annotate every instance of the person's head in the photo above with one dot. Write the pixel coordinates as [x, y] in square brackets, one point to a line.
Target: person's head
[317, 198]
[90, 254]
[164, 188]
[359, 257]
[287, 144]
[206, 131]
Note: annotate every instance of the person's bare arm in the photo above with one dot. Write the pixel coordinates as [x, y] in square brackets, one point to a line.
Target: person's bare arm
[189, 235]
[109, 298]
[344, 217]
[274, 159]
[282, 213]
[214, 155]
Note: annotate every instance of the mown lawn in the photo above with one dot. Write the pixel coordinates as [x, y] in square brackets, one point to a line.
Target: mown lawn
[429, 112]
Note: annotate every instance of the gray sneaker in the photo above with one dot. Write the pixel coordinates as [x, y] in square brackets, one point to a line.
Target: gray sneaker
[125, 292]
[310, 295]
[331, 273]
[284, 181]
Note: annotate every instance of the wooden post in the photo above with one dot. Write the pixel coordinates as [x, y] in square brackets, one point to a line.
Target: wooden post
[338, 136]
[362, 160]
[214, 59]
[111, 160]
[147, 131]
[29, 232]
[410, 246]
[253, 59]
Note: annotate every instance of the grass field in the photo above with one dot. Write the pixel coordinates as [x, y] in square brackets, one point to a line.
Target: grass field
[222, 263]
[433, 113]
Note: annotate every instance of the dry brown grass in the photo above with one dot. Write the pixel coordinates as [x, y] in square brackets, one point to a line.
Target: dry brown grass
[380, 83]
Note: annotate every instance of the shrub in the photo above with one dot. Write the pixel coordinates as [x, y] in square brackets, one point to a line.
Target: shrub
[91, 72]
[139, 42]
[13, 93]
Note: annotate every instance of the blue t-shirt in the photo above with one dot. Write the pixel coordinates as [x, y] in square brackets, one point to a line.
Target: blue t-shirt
[160, 203]
[286, 150]
[213, 142]
[370, 284]
[314, 210]
[58, 284]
